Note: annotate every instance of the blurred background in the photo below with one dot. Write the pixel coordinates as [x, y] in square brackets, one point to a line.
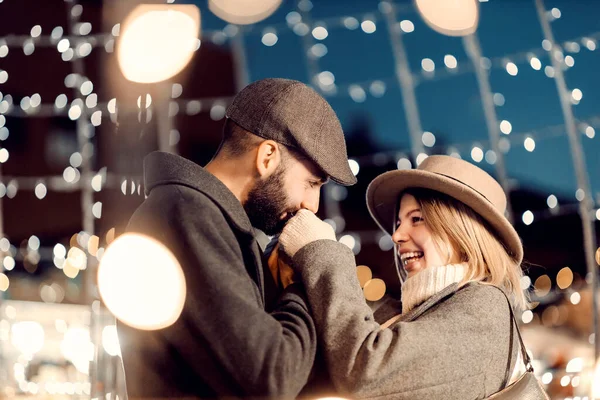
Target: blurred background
[511, 85]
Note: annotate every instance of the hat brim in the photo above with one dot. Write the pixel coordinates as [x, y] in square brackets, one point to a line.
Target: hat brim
[383, 193]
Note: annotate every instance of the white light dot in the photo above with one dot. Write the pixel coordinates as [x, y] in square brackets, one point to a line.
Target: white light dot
[269, 39]
[575, 298]
[476, 154]
[217, 112]
[529, 144]
[348, 240]
[318, 50]
[4, 245]
[36, 100]
[565, 380]
[351, 23]
[33, 242]
[28, 47]
[527, 217]
[421, 157]
[579, 194]
[85, 28]
[3, 156]
[573, 47]
[112, 106]
[3, 76]
[84, 49]
[535, 63]
[577, 94]
[61, 101]
[547, 378]
[69, 174]
[404, 163]
[512, 69]
[555, 12]
[491, 157]
[505, 127]
[552, 201]
[320, 33]
[549, 71]
[86, 88]
[428, 65]
[326, 78]
[357, 93]
[57, 32]
[25, 103]
[569, 61]
[36, 31]
[4, 133]
[428, 139]
[76, 159]
[590, 44]
[527, 316]
[63, 45]
[3, 50]
[590, 132]
[377, 88]
[525, 282]
[116, 30]
[293, 17]
[60, 251]
[598, 214]
[96, 118]
[546, 45]
[40, 191]
[74, 112]
[354, 166]
[8, 263]
[301, 29]
[499, 99]
[368, 26]
[77, 10]
[97, 210]
[386, 243]
[450, 61]
[407, 26]
[193, 107]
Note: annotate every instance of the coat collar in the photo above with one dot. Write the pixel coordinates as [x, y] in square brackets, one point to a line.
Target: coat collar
[430, 302]
[162, 168]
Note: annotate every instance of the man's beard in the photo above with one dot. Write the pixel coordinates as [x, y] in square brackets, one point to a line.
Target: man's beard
[266, 203]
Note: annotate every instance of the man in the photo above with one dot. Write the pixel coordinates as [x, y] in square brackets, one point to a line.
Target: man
[282, 141]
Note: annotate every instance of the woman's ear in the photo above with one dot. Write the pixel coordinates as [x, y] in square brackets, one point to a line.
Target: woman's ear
[268, 157]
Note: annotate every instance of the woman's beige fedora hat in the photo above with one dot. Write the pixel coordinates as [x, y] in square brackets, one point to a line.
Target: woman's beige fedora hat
[454, 177]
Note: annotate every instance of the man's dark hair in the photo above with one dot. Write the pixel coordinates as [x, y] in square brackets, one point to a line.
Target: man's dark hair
[236, 140]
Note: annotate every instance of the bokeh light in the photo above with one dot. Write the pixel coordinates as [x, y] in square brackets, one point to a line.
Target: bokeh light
[141, 282]
[157, 41]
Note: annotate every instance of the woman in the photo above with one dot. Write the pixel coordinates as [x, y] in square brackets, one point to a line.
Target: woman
[454, 249]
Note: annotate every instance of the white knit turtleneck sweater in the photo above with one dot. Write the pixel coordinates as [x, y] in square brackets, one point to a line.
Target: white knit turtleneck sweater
[428, 282]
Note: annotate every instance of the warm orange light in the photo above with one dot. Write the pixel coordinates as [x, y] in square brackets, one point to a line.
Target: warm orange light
[450, 17]
[158, 41]
[141, 282]
[374, 289]
[364, 274]
[243, 12]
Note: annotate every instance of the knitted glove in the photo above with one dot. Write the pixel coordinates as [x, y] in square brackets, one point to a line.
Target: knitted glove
[304, 228]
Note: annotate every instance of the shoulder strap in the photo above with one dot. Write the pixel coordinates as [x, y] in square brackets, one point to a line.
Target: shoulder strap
[526, 359]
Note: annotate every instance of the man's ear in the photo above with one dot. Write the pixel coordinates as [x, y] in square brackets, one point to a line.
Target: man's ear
[268, 157]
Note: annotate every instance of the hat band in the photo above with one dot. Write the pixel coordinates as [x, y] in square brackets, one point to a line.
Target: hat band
[469, 186]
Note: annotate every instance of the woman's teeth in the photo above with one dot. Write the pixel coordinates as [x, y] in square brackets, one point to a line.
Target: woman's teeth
[410, 256]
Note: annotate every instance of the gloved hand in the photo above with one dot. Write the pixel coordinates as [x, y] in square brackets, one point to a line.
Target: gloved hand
[304, 228]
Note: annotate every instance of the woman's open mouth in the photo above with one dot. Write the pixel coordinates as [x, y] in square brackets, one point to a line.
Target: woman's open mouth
[410, 257]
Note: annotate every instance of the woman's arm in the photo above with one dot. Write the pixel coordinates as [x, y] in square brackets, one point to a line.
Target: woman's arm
[460, 345]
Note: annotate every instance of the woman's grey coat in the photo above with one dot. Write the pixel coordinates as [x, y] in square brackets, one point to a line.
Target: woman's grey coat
[458, 348]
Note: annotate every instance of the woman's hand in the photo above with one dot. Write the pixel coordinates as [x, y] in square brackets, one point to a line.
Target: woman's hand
[304, 228]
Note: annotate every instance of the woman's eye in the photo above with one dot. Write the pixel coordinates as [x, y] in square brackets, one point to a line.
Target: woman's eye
[416, 219]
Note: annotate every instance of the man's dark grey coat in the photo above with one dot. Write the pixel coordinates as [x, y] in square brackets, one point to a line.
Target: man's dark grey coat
[224, 344]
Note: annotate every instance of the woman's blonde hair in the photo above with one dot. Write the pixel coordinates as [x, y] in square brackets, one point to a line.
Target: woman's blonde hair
[472, 240]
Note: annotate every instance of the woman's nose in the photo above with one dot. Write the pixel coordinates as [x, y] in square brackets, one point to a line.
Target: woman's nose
[400, 235]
